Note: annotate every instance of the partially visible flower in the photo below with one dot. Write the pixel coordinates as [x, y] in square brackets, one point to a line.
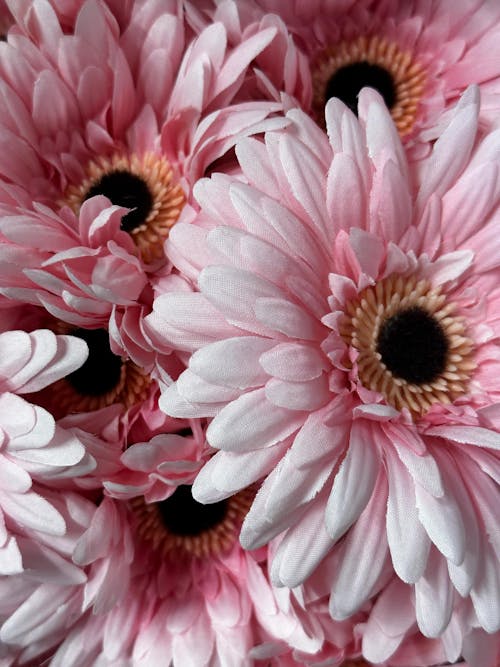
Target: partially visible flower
[167, 583]
[40, 605]
[345, 341]
[33, 448]
[140, 115]
[281, 67]
[416, 54]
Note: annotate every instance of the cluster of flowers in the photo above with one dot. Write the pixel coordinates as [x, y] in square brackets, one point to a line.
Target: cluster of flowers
[250, 333]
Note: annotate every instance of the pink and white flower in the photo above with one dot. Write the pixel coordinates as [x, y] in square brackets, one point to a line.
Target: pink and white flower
[148, 600]
[417, 54]
[140, 115]
[34, 449]
[345, 342]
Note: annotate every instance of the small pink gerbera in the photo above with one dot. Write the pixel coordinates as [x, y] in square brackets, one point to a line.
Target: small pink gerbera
[418, 54]
[167, 583]
[121, 110]
[356, 354]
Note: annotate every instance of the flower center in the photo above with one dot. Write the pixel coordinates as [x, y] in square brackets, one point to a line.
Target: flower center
[145, 185]
[104, 379]
[412, 345]
[127, 190]
[182, 525]
[182, 515]
[102, 370]
[346, 84]
[342, 70]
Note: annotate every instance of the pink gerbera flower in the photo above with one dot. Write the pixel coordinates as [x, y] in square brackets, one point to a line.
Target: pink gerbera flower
[167, 584]
[417, 54]
[34, 450]
[140, 115]
[356, 354]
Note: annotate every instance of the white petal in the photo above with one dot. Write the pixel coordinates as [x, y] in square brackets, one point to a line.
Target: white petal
[285, 317]
[32, 511]
[363, 560]
[309, 396]
[293, 361]
[408, 541]
[228, 472]
[175, 405]
[196, 390]
[233, 362]
[303, 548]
[434, 597]
[485, 594]
[251, 422]
[354, 482]
[470, 435]
[443, 523]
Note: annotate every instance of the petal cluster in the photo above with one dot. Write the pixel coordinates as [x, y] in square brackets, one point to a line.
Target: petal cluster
[249, 333]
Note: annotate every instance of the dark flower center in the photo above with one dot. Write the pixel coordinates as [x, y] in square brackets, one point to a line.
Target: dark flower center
[413, 345]
[346, 84]
[182, 515]
[127, 190]
[102, 370]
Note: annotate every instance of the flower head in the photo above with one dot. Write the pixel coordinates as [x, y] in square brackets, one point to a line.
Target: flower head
[350, 358]
[416, 55]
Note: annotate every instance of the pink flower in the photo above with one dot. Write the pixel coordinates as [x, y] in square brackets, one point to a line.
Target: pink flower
[167, 581]
[345, 341]
[417, 54]
[33, 448]
[281, 67]
[140, 115]
[39, 606]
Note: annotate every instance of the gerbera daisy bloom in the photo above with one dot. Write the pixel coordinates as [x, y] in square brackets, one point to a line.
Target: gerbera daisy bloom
[34, 449]
[167, 584]
[418, 55]
[355, 356]
[127, 128]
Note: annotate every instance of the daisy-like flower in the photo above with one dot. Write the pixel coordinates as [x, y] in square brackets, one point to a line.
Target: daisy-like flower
[345, 341]
[140, 115]
[40, 605]
[167, 584]
[418, 55]
[34, 449]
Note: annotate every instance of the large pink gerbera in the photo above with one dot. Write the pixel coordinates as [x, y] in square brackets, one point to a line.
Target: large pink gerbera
[356, 354]
[419, 55]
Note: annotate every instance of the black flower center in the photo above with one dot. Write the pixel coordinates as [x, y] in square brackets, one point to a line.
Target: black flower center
[182, 515]
[127, 190]
[102, 370]
[413, 345]
[346, 84]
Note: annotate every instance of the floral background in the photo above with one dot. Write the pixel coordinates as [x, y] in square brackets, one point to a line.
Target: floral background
[249, 333]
